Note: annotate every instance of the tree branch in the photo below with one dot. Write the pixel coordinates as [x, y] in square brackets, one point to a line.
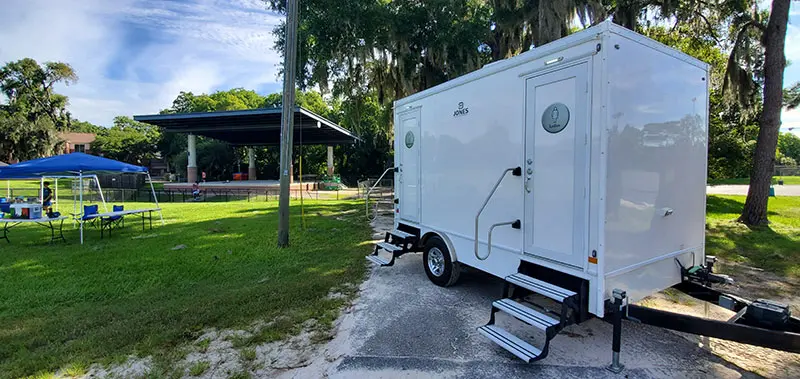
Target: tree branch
[47, 109]
[711, 31]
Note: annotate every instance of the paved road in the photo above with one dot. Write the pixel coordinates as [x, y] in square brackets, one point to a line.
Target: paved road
[741, 189]
[405, 327]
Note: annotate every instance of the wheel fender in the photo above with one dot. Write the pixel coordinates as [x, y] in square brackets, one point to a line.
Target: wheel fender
[446, 239]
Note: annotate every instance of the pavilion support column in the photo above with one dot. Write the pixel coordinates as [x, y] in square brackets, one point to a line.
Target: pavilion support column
[291, 173]
[330, 160]
[191, 168]
[251, 169]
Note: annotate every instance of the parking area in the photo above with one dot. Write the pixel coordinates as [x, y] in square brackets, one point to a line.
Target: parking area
[403, 326]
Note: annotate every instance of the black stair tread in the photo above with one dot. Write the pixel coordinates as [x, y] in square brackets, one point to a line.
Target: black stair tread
[541, 287]
[510, 342]
[523, 313]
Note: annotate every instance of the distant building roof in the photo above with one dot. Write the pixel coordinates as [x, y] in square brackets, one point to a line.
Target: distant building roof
[78, 138]
[253, 127]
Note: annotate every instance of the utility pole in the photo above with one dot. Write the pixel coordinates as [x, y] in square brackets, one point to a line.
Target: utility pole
[287, 123]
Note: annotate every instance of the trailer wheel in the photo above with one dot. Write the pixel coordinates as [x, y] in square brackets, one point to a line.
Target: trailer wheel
[439, 267]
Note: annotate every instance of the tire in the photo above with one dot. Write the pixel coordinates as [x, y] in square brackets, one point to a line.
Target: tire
[439, 267]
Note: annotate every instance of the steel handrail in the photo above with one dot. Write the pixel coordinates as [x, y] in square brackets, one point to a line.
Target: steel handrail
[517, 171]
[366, 202]
[514, 224]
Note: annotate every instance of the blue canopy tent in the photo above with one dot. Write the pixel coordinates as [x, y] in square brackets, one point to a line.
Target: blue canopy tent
[75, 165]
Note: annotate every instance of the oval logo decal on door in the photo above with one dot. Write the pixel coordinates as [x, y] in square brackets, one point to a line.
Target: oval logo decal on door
[555, 117]
[409, 139]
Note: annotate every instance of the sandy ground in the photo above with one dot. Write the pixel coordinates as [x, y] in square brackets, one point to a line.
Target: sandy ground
[766, 362]
[403, 326]
[755, 283]
[741, 189]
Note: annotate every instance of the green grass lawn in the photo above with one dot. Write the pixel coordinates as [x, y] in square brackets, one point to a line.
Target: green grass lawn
[775, 247]
[787, 180]
[68, 304]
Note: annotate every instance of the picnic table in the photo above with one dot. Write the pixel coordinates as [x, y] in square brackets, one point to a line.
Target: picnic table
[108, 219]
[47, 222]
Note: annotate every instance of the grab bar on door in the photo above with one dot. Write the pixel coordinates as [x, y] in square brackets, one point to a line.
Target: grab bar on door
[516, 171]
[516, 224]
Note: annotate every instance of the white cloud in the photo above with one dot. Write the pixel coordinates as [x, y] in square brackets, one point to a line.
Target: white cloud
[790, 121]
[792, 46]
[134, 56]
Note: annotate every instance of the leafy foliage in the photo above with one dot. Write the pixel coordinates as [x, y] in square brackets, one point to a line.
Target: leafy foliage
[23, 139]
[368, 53]
[34, 113]
[789, 146]
[791, 96]
[128, 141]
[29, 89]
[85, 127]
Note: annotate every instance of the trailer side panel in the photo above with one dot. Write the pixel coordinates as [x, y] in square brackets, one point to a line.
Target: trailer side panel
[656, 169]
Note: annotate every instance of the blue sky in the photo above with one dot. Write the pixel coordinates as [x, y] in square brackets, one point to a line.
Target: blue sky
[135, 56]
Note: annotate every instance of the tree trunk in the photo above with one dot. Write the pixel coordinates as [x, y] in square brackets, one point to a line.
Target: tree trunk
[755, 207]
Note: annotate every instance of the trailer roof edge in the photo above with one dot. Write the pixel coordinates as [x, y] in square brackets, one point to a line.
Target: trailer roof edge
[585, 35]
[588, 34]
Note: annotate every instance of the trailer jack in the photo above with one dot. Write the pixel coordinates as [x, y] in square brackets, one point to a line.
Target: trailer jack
[619, 297]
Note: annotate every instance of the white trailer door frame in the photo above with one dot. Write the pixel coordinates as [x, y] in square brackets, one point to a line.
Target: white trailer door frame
[408, 175]
[556, 166]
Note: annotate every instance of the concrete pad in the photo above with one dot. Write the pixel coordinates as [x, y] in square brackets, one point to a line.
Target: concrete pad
[403, 326]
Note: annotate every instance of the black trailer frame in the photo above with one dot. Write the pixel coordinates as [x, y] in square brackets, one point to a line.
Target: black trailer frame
[697, 283]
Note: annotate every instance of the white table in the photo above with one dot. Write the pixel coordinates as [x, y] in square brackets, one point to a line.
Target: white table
[46, 222]
[109, 219]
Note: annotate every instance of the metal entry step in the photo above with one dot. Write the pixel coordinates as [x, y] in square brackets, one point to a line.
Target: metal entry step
[525, 314]
[389, 247]
[378, 260]
[397, 243]
[401, 234]
[541, 287]
[530, 316]
[510, 342]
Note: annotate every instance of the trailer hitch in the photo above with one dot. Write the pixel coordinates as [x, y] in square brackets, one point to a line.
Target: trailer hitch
[704, 275]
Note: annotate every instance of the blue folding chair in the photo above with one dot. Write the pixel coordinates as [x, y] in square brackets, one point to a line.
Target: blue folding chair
[116, 220]
[89, 215]
[5, 207]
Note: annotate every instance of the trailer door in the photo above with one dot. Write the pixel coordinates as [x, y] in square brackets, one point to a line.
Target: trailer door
[556, 125]
[409, 168]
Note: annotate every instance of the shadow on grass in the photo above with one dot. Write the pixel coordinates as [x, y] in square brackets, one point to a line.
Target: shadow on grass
[725, 205]
[722, 205]
[759, 246]
[145, 293]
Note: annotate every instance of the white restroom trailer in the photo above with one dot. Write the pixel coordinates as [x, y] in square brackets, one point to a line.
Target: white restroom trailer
[579, 168]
